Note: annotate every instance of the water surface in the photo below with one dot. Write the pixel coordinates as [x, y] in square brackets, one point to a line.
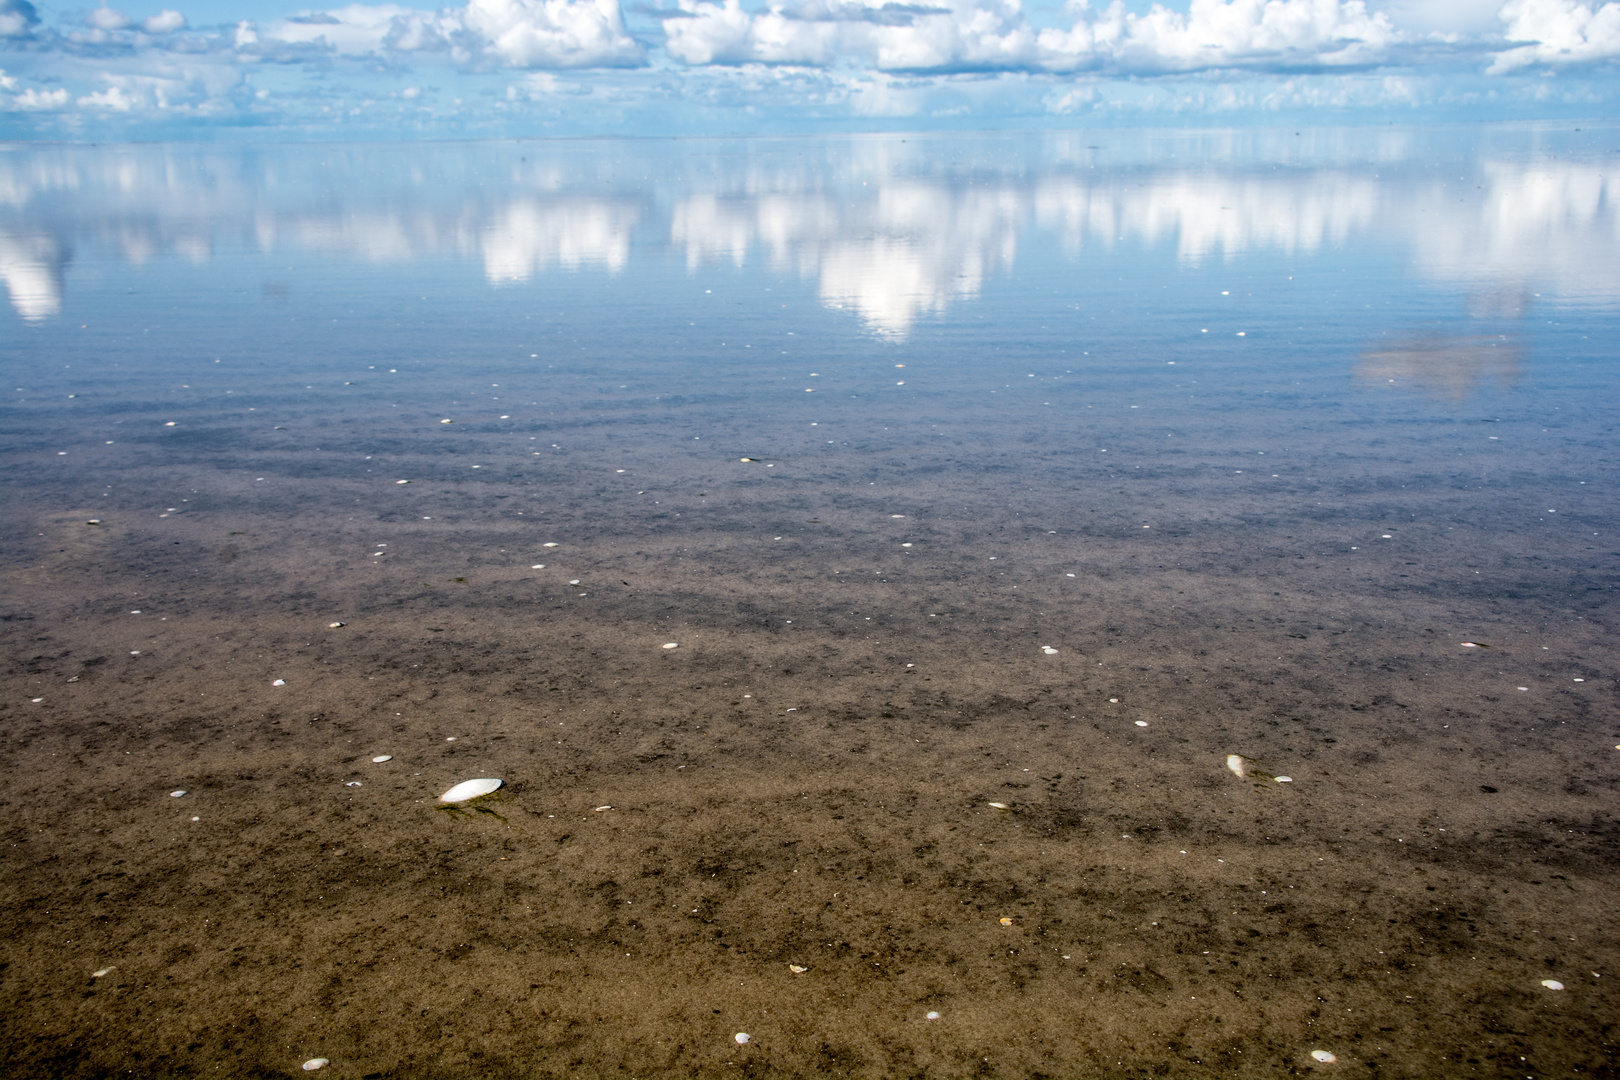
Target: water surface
[1041, 471]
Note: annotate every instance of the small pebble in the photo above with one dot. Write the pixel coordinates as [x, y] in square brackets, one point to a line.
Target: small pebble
[1236, 763]
[333, 625]
[933, 1016]
[548, 545]
[1141, 723]
[103, 971]
[320, 1063]
[741, 1037]
[1323, 1056]
[177, 794]
[352, 783]
[672, 644]
[575, 581]
[538, 566]
[1006, 921]
[1285, 779]
[37, 700]
[1048, 650]
[1552, 984]
[380, 758]
[401, 481]
[279, 682]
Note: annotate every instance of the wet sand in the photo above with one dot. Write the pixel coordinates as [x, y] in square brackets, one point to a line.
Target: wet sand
[806, 781]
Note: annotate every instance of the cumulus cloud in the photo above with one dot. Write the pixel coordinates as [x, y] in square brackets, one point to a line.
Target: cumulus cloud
[554, 33]
[959, 34]
[17, 18]
[1558, 32]
[514, 33]
[167, 21]
[993, 34]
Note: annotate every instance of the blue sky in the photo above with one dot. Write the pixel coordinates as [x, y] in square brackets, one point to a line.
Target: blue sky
[218, 68]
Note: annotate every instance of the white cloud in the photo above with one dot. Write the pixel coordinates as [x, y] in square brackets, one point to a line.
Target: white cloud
[993, 34]
[17, 18]
[554, 33]
[35, 100]
[166, 21]
[106, 18]
[1562, 32]
[515, 33]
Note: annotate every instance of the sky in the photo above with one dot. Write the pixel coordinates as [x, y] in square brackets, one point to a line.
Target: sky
[489, 68]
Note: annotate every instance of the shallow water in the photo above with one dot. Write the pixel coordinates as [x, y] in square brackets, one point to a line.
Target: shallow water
[1295, 447]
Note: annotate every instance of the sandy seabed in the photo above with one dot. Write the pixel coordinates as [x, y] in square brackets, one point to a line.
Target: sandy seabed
[786, 826]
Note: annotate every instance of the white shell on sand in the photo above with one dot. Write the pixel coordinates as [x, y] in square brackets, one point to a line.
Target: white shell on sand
[177, 794]
[1048, 650]
[316, 1063]
[1285, 779]
[103, 971]
[998, 805]
[797, 970]
[741, 1037]
[380, 758]
[468, 790]
[933, 1016]
[1236, 763]
[1141, 723]
[599, 809]
[1552, 984]
[1323, 1056]
[333, 625]
[672, 644]
[279, 682]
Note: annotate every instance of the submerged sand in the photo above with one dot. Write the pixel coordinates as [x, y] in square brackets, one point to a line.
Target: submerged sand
[805, 782]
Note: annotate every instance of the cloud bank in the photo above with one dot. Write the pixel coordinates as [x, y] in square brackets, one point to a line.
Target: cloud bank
[569, 65]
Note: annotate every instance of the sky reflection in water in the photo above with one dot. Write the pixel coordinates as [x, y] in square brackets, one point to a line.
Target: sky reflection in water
[892, 230]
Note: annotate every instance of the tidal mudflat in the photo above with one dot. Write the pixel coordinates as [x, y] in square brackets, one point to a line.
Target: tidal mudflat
[860, 560]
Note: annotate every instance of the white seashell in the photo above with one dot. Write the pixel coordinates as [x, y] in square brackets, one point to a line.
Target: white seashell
[103, 971]
[796, 969]
[1323, 1056]
[1141, 723]
[177, 794]
[1284, 779]
[1236, 763]
[538, 566]
[353, 783]
[401, 481]
[548, 545]
[672, 644]
[279, 682]
[316, 1063]
[333, 625]
[1048, 650]
[468, 790]
[933, 1016]
[1552, 984]
[575, 581]
[998, 805]
[380, 758]
[741, 1037]
[599, 809]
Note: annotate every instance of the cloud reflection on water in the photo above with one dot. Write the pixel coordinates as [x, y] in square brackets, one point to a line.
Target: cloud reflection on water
[891, 233]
